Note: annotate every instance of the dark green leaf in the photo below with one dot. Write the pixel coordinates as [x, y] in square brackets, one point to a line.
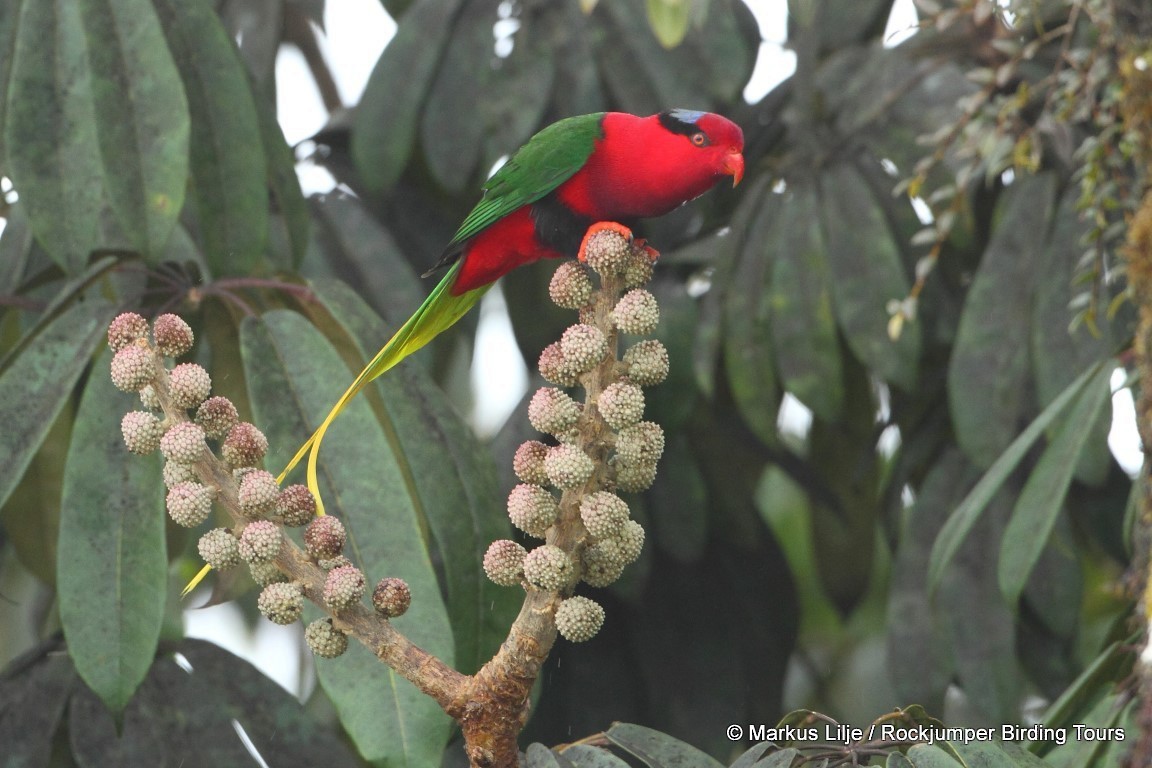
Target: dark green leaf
[294, 376]
[9, 20]
[287, 198]
[1021, 758]
[1042, 499]
[583, 756]
[451, 134]
[930, 756]
[35, 384]
[681, 529]
[33, 693]
[644, 77]
[384, 128]
[781, 758]
[142, 119]
[453, 484]
[656, 749]
[988, 380]
[867, 273]
[965, 515]
[983, 754]
[112, 570]
[726, 44]
[51, 132]
[804, 338]
[15, 249]
[229, 170]
[519, 92]
[747, 322]
[539, 756]
[1097, 678]
[897, 760]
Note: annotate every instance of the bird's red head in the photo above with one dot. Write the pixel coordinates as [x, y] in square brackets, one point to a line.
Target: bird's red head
[646, 166]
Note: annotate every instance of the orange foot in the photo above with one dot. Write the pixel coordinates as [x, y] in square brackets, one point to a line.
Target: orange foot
[653, 254]
[601, 226]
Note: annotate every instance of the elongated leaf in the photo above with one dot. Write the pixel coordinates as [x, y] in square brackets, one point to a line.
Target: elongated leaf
[867, 273]
[34, 386]
[33, 694]
[1042, 499]
[656, 749]
[969, 510]
[384, 129]
[112, 571]
[988, 379]
[50, 131]
[669, 20]
[229, 172]
[513, 106]
[142, 118]
[804, 337]
[930, 756]
[294, 376]
[583, 756]
[9, 17]
[287, 197]
[453, 483]
[539, 756]
[747, 344]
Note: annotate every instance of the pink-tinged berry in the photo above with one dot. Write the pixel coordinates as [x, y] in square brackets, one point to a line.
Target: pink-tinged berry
[528, 463]
[333, 562]
[189, 384]
[174, 474]
[260, 541]
[578, 619]
[638, 271]
[637, 312]
[532, 509]
[607, 252]
[583, 347]
[183, 443]
[296, 506]
[647, 363]
[216, 415]
[552, 411]
[245, 446]
[547, 567]
[189, 503]
[173, 336]
[570, 287]
[602, 563]
[555, 368]
[142, 432]
[324, 537]
[567, 466]
[133, 367]
[621, 404]
[504, 562]
[640, 443]
[149, 399]
[258, 493]
[125, 329]
[343, 587]
[282, 602]
[325, 640]
[266, 573]
[392, 597]
[220, 549]
[603, 514]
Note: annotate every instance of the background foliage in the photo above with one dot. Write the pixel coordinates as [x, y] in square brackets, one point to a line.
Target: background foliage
[943, 525]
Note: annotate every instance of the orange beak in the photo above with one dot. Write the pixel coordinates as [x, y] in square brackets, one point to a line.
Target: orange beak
[734, 166]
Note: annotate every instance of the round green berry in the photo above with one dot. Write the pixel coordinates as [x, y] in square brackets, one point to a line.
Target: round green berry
[567, 466]
[570, 287]
[504, 562]
[552, 411]
[260, 541]
[555, 368]
[621, 404]
[647, 362]
[281, 602]
[220, 549]
[266, 573]
[603, 514]
[608, 252]
[343, 587]
[547, 567]
[189, 503]
[532, 509]
[325, 640]
[637, 312]
[142, 432]
[583, 346]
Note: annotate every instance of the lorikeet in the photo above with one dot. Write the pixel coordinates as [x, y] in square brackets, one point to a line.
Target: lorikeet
[580, 171]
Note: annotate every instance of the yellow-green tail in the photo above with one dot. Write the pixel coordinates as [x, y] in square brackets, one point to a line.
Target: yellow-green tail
[439, 312]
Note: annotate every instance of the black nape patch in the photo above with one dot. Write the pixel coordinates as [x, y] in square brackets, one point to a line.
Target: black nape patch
[682, 121]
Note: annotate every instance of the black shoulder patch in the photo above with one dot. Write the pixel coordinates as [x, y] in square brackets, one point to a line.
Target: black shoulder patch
[682, 121]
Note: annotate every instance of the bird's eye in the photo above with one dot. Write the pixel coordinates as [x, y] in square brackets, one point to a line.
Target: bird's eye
[699, 139]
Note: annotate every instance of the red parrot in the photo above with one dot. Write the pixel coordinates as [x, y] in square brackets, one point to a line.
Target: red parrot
[581, 171]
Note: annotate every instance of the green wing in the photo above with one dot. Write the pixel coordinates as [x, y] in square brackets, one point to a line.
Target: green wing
[550, 158]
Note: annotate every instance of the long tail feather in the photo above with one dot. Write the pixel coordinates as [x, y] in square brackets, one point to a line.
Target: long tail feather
[439, 312]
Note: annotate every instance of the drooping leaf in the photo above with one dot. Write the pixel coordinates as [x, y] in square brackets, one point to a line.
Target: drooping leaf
[112, 570]
[521, 88]
[294, 376]
[229, 170]
[966, 514]
[287, 198]
[988, 379]
[804, 338]
[35, 384]
[656, 749]
[930, 756]
[33, 694]
[866, 274]
[142, 118]
[384, 127]
[643, 76]
[1042, 499]
[669, 20]
[584, 756]
[453, 484]
[539, 756]
[50, 132]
